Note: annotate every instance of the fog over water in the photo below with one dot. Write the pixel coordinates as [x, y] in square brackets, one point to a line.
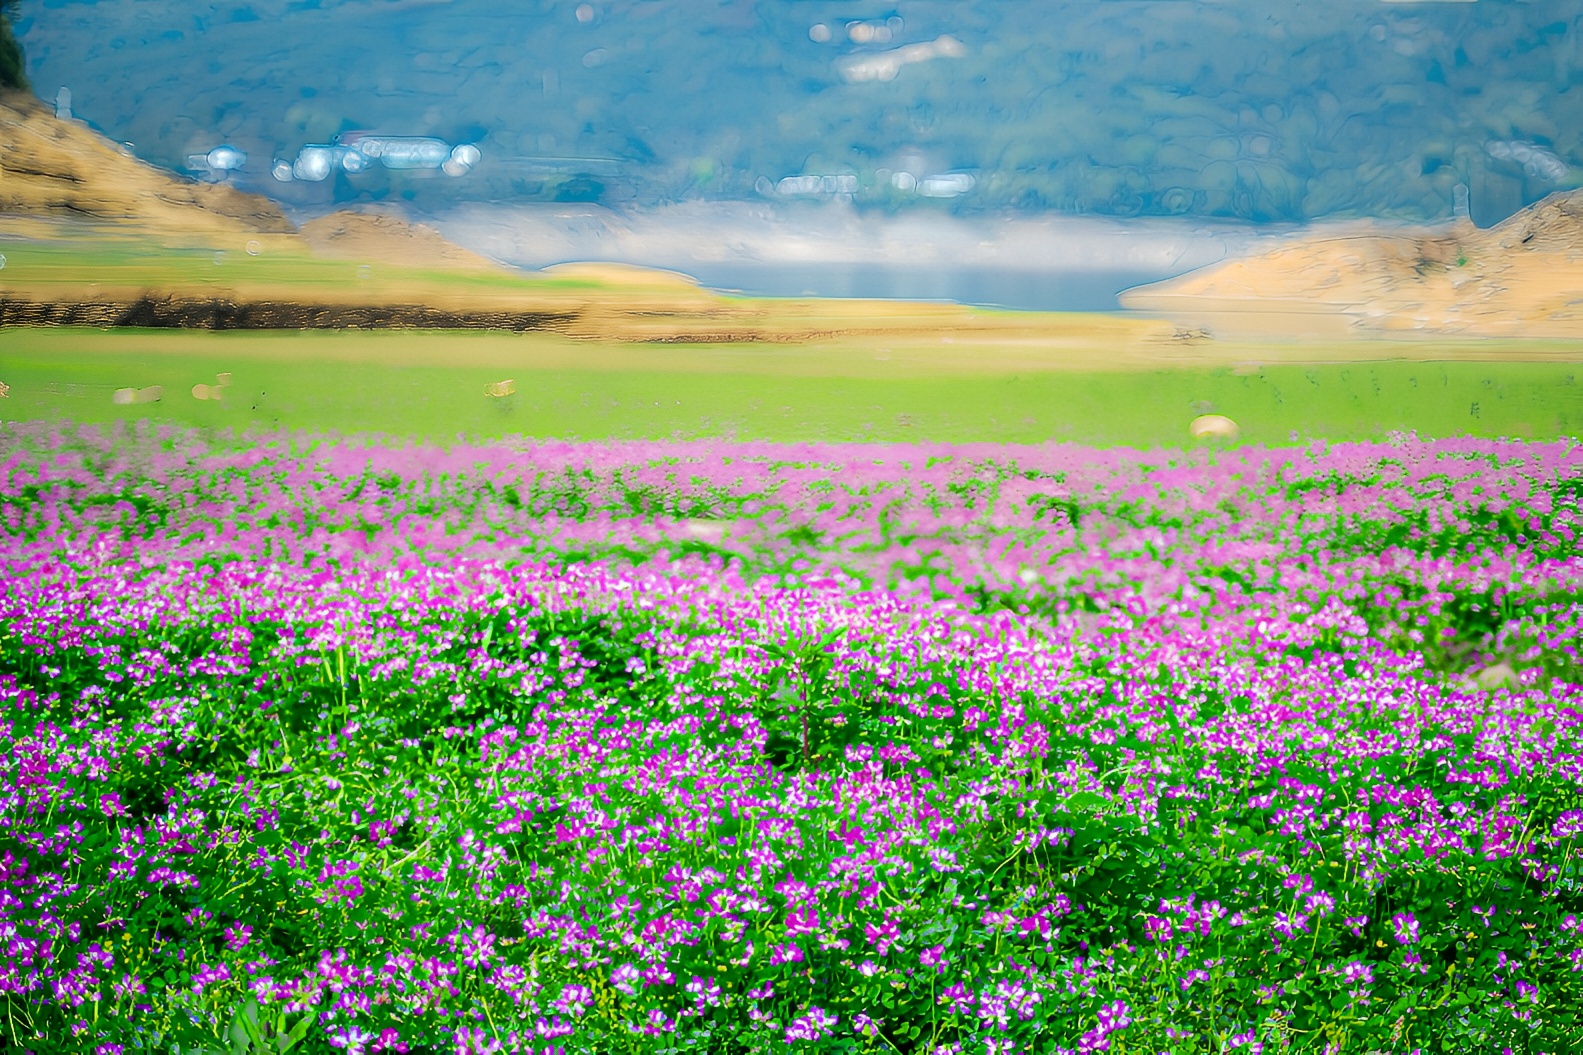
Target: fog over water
[1050, 262]
[865, 135]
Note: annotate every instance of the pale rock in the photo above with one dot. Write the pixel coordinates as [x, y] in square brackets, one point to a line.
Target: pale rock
[1497, 676]
[1213, 426]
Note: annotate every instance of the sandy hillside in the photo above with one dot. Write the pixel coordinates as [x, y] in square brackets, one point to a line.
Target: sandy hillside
[1523, 277]
[378, 236]
[627, 276]
[60, 180]
[63, 170]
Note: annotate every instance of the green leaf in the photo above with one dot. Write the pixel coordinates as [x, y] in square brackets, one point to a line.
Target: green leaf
[247, 1015]
[288, 1041]
[1084, 801]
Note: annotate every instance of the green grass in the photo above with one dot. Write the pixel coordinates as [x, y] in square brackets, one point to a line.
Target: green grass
[430, 385]
[137, 262]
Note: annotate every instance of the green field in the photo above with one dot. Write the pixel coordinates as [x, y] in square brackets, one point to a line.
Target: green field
[270, 262]
[430, 385]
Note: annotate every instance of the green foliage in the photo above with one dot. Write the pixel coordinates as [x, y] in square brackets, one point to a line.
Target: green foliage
[802, 702]
[1114, 865]
[246, 1034]
[12, 72]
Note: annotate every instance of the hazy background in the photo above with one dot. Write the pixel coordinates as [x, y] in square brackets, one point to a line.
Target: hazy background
[1035, 154]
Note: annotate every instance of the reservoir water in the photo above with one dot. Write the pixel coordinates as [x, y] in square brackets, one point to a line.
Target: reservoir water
[1024, 290]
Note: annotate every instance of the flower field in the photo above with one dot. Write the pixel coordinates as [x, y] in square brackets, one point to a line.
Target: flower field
[324, 745]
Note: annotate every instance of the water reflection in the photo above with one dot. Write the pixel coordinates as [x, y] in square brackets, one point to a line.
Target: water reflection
[999, 287]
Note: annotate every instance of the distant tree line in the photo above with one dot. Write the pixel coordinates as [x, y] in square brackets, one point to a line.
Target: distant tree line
[11, 74]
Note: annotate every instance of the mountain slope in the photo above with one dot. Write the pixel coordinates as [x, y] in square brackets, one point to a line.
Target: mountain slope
[1263, 110]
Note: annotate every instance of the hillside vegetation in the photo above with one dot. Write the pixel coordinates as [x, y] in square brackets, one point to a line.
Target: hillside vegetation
[1259, 111]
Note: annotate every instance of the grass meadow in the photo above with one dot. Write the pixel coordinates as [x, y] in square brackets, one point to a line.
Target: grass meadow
[431, 385]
